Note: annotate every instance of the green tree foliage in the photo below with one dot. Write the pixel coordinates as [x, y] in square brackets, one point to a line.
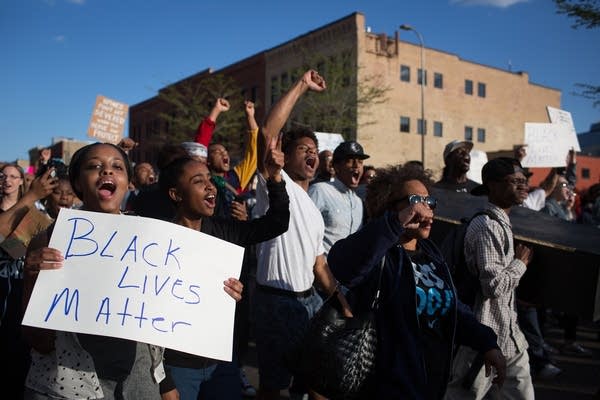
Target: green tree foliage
[191, 100]
[337, 109]
[585, 12]
[587, 15]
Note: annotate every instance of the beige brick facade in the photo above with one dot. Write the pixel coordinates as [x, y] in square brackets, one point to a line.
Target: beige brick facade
[510, 99]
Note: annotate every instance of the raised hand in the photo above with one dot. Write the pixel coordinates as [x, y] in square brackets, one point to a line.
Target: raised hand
[43, 185]
[275, 159]
[239, 210]
[249, 108]
[314, 81]
[127, 144]
[222, 104]
[414, 215]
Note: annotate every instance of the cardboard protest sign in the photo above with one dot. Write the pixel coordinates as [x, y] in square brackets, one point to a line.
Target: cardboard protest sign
[108, 120]
[558, 116]
[141, 279]
[547, 144]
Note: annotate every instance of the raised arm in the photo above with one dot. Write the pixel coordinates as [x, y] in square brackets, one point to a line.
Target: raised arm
[208, 124]
[246, 168]
[280, 112]
[41, 187]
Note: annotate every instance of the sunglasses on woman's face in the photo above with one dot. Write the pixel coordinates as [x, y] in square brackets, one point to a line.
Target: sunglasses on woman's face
[416, 198]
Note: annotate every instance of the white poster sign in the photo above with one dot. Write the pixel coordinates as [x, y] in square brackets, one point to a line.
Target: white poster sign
[558, 116]
[478, 160]
[547, 145]
[141, 279]
[328, 141]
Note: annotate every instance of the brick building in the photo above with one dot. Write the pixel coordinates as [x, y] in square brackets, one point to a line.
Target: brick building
[462, 99]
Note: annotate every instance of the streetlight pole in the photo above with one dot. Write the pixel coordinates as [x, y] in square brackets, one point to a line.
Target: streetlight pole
[423, 75]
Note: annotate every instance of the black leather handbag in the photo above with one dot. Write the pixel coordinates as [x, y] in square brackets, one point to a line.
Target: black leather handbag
[336, 355]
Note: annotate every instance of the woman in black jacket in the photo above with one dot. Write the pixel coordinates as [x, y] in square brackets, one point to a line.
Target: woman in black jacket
[189, 185]
[419, 319]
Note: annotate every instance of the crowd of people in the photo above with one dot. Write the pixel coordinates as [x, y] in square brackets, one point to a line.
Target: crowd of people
[313, 225]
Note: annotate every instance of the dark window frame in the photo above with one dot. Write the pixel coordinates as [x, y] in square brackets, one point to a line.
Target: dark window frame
[469, 87]
[404, 119]
[438, 80]
[404, 73]
[438, 129]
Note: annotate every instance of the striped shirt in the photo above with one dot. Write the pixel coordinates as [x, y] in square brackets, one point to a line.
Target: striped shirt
[489, 250]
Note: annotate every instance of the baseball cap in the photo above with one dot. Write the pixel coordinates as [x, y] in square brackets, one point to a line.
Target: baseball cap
[349, 149]
[495, 170]
[456, 144]
[195, 149]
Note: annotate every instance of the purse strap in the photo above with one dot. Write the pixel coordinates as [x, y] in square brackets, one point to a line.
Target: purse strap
[375, 303]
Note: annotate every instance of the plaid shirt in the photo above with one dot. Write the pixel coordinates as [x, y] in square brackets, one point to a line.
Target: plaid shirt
[489, 249]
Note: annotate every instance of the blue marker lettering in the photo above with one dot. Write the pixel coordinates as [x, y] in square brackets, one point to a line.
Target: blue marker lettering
[170, 253]
[108, 244]
[81, 237]
[68, 303]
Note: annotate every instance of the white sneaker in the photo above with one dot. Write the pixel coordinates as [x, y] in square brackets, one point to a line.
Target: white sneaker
[247, 389]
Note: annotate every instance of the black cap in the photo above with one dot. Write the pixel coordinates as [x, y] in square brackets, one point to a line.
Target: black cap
[495, 170]
[349, 149]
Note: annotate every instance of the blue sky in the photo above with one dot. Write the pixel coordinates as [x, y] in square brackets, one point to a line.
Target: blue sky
[58, 55]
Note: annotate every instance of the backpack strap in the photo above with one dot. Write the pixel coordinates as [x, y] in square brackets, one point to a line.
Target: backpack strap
[491, 215]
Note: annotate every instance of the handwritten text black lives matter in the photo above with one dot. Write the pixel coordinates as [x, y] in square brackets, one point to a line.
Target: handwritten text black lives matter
[131, 289]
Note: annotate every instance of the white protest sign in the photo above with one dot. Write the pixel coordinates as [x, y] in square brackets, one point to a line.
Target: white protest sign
[547, 144]
[108, 120]
[558, 116]
[328, 141]
[478, 160]
[141, 279]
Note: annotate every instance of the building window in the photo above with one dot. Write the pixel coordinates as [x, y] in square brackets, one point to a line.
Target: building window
[481, 135]
[274, 89]
[469, 133]
[438, 129]
[468, 86]
[481, 89]
[404, 124]
[405, 73]
[420, 76]
[438, 80]
[253, 94]
[421, 127]
[285, 83]
[585, 173]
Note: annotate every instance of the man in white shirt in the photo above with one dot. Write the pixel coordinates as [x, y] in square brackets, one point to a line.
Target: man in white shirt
[289, 264]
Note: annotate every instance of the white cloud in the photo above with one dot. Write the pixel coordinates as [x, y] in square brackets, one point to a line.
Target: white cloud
[59, 38]
[80, 2]
[492, 3]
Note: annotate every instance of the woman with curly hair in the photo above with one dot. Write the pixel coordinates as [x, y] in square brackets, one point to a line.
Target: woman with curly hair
[419, 319]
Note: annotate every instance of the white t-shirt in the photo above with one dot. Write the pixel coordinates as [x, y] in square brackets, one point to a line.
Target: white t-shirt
[536, 199]
[287, 261]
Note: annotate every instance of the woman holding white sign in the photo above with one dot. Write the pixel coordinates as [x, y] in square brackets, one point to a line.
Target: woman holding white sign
[189, 185]
[72, 365]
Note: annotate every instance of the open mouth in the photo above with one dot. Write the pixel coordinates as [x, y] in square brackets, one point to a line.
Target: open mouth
[311, 161]
[106, 189]
[210, 200]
